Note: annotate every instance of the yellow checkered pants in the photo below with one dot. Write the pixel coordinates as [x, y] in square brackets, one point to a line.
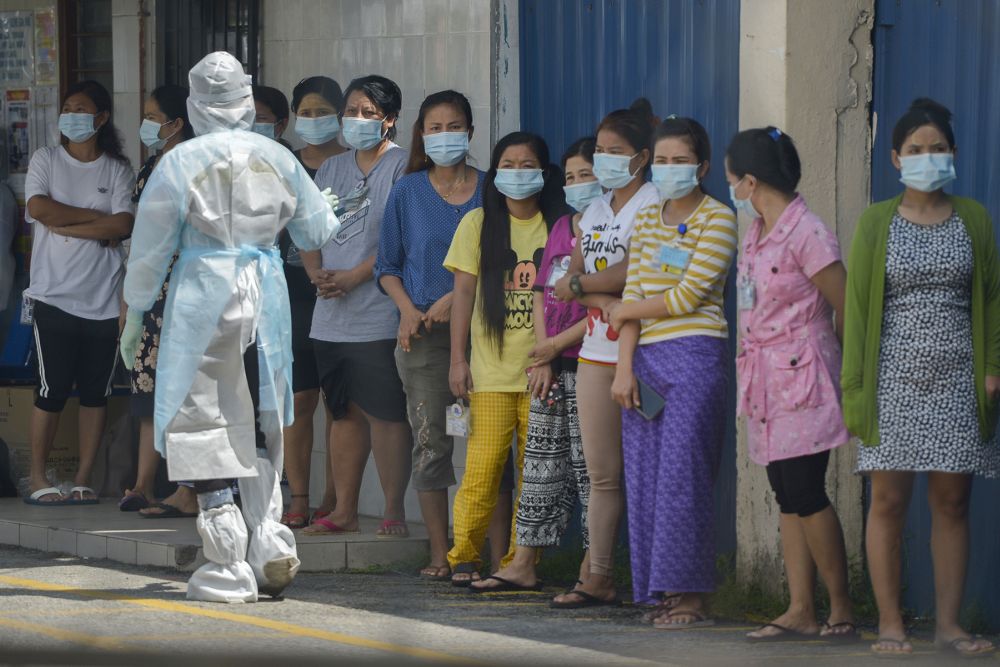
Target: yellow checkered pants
[496, 417]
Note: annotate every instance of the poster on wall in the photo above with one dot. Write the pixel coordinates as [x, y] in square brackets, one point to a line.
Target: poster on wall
[17, 126]
[17, 61]
[46, 48]
[44, 121]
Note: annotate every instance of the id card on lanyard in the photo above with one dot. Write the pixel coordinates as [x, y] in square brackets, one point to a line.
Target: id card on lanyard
[674, 260]
[746, 293]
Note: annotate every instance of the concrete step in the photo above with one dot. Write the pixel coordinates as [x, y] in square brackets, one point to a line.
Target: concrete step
[102, 531]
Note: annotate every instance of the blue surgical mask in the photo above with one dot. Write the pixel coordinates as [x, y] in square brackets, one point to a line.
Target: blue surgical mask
[149, 133]
[580, 195]
[77, 127]
[744, 205]
[317, 131]
[362, 133]
[519, 183]
[675, 180]
[927, 172]
[446, 149]
[264, 129]
[613, 170]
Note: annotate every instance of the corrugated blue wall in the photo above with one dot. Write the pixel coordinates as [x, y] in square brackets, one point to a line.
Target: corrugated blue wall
[581, 59]
[948, 50]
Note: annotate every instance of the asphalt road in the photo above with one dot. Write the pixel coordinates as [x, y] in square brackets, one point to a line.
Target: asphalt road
[56, 610]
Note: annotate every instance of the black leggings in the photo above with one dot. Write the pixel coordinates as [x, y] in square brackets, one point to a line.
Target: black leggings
[799, 484]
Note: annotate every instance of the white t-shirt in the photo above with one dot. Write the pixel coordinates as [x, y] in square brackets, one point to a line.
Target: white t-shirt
[605, 238]
[78, 276]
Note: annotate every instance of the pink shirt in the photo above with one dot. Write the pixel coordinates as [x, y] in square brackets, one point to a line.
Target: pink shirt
[789, 362]
[559, 315]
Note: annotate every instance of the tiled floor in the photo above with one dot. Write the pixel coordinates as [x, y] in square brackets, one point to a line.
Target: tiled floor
[101, 531]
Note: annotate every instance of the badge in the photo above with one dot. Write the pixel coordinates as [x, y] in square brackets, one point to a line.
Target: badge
[674, 260]
[746, 294]
[560, 266]
[457, 422]
[27, 310]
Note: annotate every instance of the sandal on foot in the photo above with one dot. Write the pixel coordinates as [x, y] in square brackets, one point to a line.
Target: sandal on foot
[830, 634]
[383, 530]
[433, 573]
[318, 514]
[586, 600]
[326, 527]
[667, 603]
[505, 586]
[897, 650]
[783, 635]
[294, 520]
[79, 491]
[167, 511]
[700, 620]
[36, 497]
[465, 568]
[955, 647]
[133, 501]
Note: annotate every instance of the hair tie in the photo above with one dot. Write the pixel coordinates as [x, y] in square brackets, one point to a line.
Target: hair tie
[672, 116]
[774, 133]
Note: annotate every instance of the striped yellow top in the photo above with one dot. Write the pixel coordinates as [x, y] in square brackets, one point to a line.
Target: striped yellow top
[694, 294]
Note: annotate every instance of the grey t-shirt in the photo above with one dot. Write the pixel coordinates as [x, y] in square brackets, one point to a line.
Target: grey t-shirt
[364, 314]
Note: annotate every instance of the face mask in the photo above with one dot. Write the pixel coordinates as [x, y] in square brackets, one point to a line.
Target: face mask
[77, 127]
[612, 170]
[446, 149]
[580, 195]
[149, 132]
[743, 204]
[519, 183]
[317, 131]
[264, 129]
[675, 180]
[927, 172]
[362, 133]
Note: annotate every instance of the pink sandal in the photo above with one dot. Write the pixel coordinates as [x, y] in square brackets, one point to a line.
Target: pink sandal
[326, 527]
[383, 530]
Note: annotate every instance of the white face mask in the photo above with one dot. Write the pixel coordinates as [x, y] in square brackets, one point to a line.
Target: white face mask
[675, 180]
[613, 170]
[927, 172]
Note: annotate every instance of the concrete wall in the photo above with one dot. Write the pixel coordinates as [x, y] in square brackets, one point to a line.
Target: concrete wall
[806, 67]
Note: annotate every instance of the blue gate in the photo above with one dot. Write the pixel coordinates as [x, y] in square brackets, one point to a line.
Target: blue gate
[581, 59]
[946, 50]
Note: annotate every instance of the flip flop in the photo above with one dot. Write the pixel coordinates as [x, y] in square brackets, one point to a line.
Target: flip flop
[329, 528]
[392, 523]
[426, 573]
[506, 586]
[36, 497]
[133, 502]
[783, 635]
[464, 568]
[667, 603]
[953, 648]
[168, 512]
[899, 643]
[852, 635]
[586, 600]
[318, 514]
[294, 520]
[701, 621]
[82, 501]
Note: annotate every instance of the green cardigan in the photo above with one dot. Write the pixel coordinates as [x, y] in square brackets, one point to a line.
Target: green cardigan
[863, 313]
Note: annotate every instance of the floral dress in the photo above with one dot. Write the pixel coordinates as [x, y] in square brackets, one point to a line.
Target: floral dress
[144, 367]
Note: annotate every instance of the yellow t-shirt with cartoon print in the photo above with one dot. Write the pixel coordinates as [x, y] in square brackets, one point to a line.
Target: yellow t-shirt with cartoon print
[490, 370]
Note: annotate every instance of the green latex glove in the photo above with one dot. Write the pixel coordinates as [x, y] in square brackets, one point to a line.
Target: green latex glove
[128, 345]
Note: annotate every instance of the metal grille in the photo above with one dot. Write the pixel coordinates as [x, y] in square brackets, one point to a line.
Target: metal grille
[187, 30]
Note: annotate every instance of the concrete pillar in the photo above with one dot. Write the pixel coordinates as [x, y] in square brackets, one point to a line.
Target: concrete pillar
[125, 59]
[806, 67]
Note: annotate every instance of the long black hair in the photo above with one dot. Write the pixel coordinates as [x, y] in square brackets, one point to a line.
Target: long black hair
[418, 157]
[494, 243]
[172, 100]
[109, 140]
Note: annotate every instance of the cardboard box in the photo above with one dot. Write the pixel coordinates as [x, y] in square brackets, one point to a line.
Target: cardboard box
[16, 407]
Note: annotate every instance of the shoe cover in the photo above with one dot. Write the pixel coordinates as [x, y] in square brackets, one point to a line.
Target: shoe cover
[226, 577]
[272, 554]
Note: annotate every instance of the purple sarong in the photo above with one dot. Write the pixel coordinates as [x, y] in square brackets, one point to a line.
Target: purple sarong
[671, 464]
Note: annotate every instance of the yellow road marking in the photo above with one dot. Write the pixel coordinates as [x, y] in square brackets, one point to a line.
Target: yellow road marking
[64, 635]
[279, 626]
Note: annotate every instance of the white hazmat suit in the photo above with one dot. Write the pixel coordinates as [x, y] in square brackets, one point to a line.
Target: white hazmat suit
[219, 201]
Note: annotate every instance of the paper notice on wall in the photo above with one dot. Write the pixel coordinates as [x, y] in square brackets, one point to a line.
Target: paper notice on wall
[17, 61]
[17, 126]
[44, 117]
[46, 48]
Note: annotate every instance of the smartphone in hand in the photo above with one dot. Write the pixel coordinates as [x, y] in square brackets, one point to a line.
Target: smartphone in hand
[650, 403]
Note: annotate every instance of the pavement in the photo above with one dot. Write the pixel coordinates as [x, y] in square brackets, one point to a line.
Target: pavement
[58, 610]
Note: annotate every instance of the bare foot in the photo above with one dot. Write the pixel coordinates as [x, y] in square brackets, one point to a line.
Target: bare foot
[393, 528]
[602, 588]
[436, 572]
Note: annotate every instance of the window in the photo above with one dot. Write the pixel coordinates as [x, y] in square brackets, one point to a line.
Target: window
[187, 30]
[87, 52]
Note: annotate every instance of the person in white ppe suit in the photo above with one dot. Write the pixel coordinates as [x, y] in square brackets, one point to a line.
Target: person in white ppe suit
[223, 390]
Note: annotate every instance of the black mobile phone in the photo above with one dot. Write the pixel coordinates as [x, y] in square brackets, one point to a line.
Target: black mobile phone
[650, 403]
